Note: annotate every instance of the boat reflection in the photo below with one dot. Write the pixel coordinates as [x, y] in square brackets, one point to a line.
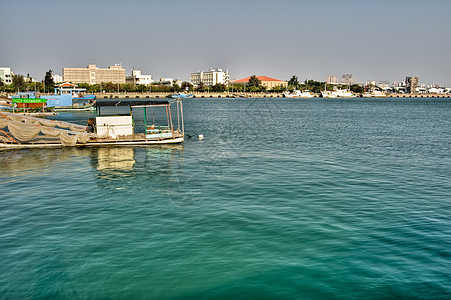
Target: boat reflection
[115, 158]
[138, 169]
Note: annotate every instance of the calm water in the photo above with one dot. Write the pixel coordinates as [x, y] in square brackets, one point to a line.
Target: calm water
[292, 199]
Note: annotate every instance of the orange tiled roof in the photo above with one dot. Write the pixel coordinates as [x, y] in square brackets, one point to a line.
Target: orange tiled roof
[67, 84]
[262, 78]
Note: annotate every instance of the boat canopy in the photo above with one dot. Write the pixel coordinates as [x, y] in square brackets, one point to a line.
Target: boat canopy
[131, 102]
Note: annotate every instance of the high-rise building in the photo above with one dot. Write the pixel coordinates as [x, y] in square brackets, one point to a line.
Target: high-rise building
[332, 79]
[94, 75]
[211, 77]
[411, 84]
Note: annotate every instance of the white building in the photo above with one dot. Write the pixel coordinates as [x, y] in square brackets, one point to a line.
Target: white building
[210, 78]
[6, 76]
[137, 78]
[57, 78]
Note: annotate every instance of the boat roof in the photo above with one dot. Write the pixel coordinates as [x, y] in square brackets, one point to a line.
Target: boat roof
[130, 102]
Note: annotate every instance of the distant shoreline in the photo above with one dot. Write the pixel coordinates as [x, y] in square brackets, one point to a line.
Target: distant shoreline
[158, 95]
[247, 95]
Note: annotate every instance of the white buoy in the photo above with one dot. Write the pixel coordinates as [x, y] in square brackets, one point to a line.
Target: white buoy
[201, 136]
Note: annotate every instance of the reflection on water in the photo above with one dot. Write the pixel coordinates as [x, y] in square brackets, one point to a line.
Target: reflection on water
[116, 158]
[152, 171]
[28, 161]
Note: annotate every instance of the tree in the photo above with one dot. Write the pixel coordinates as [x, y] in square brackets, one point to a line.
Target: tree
[356, 88]
[185, 85]
[218, 87]
[254, 81]
[19, 82]
[293, 82]
[48, 81]
[200, 87]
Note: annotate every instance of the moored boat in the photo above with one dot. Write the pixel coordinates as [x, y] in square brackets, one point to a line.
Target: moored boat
[374, 94]
[182, 95]
[298, 94]
[106, 129]
[338, 94]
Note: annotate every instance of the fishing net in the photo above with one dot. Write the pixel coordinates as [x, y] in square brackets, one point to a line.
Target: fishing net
[25, 128]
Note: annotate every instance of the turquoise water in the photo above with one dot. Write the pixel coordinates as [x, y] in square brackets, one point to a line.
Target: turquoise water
[292, 199]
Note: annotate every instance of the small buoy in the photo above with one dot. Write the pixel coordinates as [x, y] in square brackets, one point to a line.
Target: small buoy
[201, 136]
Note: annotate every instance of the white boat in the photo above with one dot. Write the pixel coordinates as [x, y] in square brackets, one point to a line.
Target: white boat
[374, 94]
[298, 94]
[338, 94]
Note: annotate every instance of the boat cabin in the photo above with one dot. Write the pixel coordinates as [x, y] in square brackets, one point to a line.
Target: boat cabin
[146, 119]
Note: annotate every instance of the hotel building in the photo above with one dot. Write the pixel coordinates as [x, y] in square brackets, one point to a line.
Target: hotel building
[94, 75]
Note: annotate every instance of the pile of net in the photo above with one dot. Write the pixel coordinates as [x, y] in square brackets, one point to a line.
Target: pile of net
[25, 129]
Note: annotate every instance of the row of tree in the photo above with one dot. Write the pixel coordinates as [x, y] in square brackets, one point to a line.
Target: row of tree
[19, 83]
[24, 84]
[317, 86]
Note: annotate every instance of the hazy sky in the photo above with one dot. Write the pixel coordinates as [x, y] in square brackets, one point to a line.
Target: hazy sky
[377, 40]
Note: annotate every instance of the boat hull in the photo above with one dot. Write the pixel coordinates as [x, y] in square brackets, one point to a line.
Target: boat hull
[107, 143]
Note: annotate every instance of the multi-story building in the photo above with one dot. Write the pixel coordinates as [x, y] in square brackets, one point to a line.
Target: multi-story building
[137, 78]
[210, 78]
[94, 75]
[268, 82]
[57, 78]
[332, 79]
[347, 79]
[6, 76]
[411, 84]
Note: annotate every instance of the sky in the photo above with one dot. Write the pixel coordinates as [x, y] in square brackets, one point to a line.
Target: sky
[373, 40]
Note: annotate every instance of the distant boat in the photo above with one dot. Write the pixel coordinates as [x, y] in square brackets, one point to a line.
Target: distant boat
[298, 94]
[374, 94]
[338, 94]
[182, 95]
[87, 107]
[83, 97]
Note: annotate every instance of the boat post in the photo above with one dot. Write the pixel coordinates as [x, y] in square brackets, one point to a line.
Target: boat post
[181, 112]
[145, 120]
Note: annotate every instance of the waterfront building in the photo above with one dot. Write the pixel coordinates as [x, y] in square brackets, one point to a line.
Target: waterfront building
[347, 79]
[6, 76]
[211, 77]
[331, 79]
[411, 84]
[93, 75]
[137, 78]
[268, 82]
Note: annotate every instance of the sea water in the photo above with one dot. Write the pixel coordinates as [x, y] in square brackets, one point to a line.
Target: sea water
[283, 198]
